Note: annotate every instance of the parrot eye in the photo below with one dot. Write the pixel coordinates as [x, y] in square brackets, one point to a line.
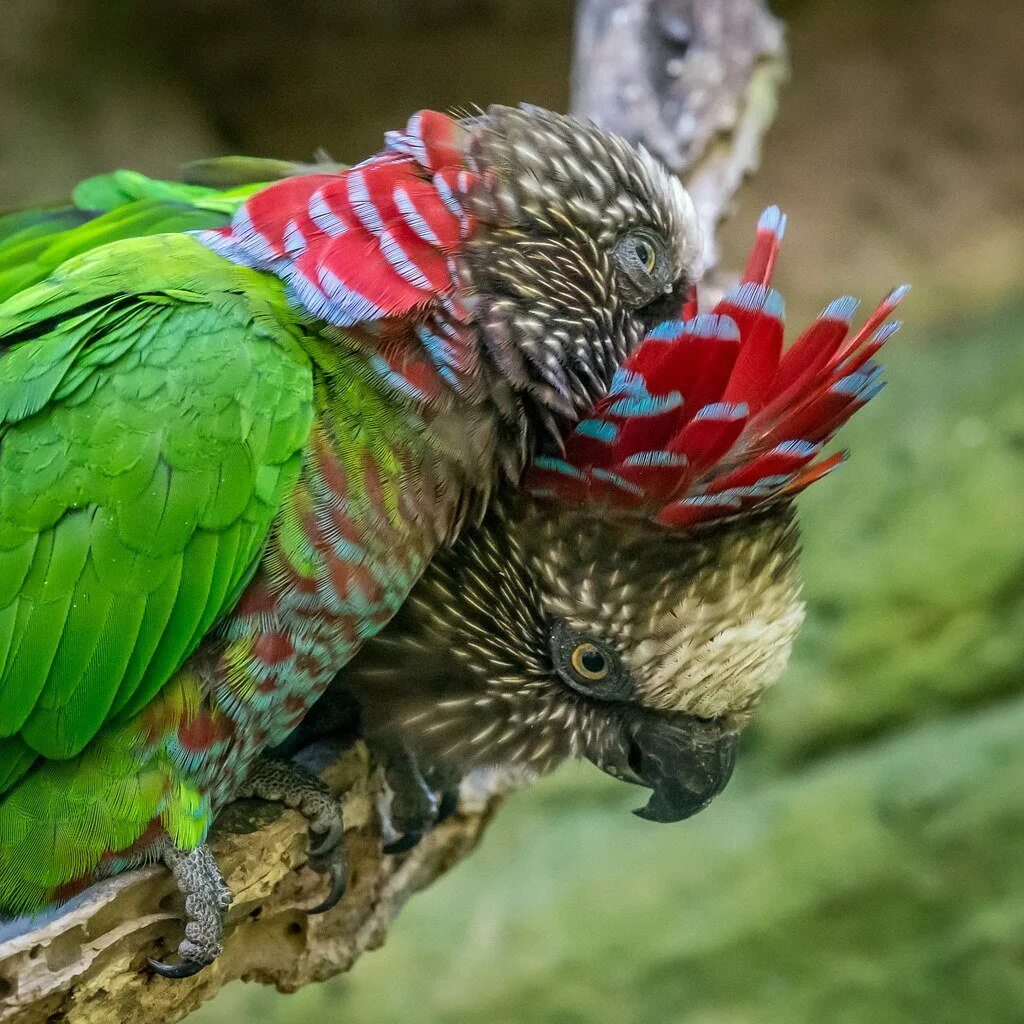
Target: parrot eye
[644, 262]
[589, 666]
[589, 661]
[645, 254]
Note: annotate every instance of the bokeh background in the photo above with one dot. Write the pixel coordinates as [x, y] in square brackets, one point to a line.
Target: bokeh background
[867, 863]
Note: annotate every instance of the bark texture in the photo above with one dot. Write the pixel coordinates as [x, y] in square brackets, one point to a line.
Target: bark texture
[693, 80]
[88, 963]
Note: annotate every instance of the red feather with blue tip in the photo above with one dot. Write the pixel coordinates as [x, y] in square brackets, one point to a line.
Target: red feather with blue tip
[711, 418]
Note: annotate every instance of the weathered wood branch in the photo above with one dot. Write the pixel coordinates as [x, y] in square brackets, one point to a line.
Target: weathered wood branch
[693, 80]
[88, 963]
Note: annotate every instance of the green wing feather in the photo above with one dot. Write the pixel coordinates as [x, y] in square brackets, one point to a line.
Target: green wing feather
[126, 204]
[148, 392]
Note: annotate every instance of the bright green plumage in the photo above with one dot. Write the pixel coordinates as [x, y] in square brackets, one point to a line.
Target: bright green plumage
[124, 204]
[156, 408]
[148, 382]
[175, 403]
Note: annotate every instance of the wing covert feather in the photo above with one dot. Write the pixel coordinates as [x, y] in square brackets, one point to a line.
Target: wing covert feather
[154, 402]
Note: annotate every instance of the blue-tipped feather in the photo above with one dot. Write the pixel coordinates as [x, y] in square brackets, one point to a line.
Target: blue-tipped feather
[324, 217]
[599, 430]
[774, 220]
[766, 485]
[886, 331]
[394, 379]
[362, 205]
[451, 201]
[724, 411]
[441, 350]
[613, 478]
[713, 325]
[646, 405]
[345, 306]
[554, 465]
[842, 308]
[725, 499]
[801, 449]
[669, 330]
[856, 384]
[414, 218]
[402, 262]
[626, 382]
[758, 298]
[656, 458]
[294, 240]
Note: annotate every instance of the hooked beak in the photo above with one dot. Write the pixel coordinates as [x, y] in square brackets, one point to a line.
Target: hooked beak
[685, 761]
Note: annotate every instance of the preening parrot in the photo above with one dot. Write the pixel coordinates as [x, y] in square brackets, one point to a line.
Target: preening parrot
[232, 439]
[634, 600]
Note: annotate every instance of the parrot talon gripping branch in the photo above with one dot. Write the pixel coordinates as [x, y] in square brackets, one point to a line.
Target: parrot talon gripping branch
[235, 427]
[283, 781]
[207, 899]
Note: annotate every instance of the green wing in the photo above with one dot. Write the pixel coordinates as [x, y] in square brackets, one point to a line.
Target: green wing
[153, 406]
[127, 204]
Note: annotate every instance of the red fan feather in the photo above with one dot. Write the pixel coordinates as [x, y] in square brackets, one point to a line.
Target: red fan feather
[710, 418]
[368, 249]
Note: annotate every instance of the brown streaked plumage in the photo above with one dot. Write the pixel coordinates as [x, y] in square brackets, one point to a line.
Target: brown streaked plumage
[476, 671]
[636, 604]
[547, 279]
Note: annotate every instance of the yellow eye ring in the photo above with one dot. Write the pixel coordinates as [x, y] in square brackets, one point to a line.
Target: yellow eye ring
[646, 255]
[589, 662]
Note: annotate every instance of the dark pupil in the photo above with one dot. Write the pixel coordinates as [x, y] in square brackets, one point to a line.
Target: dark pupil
[593, 661]
[643, 253]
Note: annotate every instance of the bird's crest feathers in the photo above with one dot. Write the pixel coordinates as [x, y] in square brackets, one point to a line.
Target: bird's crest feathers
[709, 418]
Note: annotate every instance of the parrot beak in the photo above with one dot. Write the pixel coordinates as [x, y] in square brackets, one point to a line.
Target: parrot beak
[685, 761]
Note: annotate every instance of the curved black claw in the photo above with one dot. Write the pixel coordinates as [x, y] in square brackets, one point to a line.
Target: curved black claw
[338, 874]
[323, 843]
[447, 806]
[207, 899]
[291, 784]
[418, 801]
[403, 844]
[185, 969]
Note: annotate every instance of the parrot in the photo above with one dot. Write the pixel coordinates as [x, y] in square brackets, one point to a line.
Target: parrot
[632, 601]
[237, 423]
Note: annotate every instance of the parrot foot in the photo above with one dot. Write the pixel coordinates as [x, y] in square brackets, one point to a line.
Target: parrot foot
[416, 805]
[272, 778]
[207, 899]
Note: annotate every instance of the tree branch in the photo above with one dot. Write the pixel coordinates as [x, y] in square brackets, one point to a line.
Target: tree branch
[693, 80]
[88, 962]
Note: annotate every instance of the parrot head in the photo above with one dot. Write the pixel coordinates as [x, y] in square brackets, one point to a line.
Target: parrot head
[582, 244]
[512, 258]
[542, 637]
[633, 602]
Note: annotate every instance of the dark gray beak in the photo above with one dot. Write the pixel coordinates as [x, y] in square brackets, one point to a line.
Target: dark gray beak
[685, 761]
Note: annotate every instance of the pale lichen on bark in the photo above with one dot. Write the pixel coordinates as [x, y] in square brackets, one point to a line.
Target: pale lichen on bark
[696, 82]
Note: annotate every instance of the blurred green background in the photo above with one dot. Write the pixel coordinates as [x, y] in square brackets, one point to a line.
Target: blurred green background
[866, 865]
